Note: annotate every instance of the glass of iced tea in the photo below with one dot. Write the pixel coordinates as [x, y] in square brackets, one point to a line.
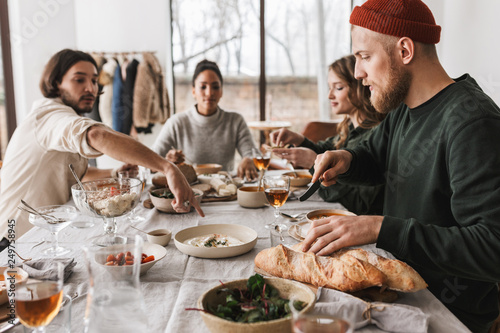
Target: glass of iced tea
[261, 159]
[36, 304]
[276, 189]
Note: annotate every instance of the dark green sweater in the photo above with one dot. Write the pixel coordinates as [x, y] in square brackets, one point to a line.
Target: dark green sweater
[441, 164]
[358, 199]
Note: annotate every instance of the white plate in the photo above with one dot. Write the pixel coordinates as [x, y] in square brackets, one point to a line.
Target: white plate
[150, 249]
[247, 235]
[299, 230]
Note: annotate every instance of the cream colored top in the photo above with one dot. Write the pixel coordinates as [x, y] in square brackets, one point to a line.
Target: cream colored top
[35, 167]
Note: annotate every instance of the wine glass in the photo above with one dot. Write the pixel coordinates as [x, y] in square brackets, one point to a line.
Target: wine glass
[36, 304]
[62, 217]
[108, 198]
[133, 217]
[261, 159]
[276, 189]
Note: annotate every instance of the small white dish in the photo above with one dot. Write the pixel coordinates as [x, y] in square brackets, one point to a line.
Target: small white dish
[245, 234]
[150, 249]
[160, 236]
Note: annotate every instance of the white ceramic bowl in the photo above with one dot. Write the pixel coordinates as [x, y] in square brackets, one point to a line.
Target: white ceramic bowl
[245, 234]
[249, 197]
[165, 205]
[207, 168]
[287, 289]
[299, 178]
[160, 236]
[3, 290]
[150, 249]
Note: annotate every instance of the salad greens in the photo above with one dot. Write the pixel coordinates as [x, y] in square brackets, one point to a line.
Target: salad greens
[165, 194]
[259, 302]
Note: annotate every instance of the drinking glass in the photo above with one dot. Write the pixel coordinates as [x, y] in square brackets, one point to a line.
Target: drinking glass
[261, 159]
[36, 304]
[276, 189]
[115, 302]
[133, 217]
[319, 323]
[108, 198]
[63, 216]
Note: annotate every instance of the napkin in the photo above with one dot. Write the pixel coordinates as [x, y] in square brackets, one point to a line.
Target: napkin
[388, 317]
[46, 269]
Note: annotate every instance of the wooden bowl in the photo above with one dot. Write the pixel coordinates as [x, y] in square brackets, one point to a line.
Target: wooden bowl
[299, 178]
[207, 168]
[287, 289]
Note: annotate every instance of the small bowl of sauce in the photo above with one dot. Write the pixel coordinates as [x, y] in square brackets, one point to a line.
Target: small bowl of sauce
[160, 236]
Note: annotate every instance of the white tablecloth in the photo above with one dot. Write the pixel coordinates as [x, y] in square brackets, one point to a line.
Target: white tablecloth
[176, 282]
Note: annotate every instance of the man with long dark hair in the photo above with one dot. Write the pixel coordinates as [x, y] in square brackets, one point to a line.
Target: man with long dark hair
[56, 134]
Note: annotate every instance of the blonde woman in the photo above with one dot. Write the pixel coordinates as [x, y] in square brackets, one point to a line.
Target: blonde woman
[347, 97]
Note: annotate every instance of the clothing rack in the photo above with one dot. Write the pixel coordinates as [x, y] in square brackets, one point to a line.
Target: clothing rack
[113, 54]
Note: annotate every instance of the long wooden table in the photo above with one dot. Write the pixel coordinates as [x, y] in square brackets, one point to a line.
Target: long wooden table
[176, 282]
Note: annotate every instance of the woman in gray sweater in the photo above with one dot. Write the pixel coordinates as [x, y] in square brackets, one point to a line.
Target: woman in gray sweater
[206, 133]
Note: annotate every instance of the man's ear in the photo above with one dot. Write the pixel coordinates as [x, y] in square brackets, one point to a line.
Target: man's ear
[405, 50]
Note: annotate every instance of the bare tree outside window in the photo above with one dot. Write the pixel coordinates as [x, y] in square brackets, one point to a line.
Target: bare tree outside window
[227, 31]
[3, 117]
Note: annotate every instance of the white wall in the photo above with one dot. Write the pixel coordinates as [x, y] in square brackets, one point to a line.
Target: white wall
[38, 30]
[122, 26]
[469, 40]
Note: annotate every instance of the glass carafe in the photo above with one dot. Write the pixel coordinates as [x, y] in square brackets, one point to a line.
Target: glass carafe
[115, 302]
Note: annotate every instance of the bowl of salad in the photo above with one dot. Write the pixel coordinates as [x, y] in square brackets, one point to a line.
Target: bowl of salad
[162, 198]
[256, 304]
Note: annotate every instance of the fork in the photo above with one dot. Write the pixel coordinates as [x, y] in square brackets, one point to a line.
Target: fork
[47, 217]
[23, 259]
[295, 217]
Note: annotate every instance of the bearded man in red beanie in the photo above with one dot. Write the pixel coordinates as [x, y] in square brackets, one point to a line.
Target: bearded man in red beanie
[436, 152]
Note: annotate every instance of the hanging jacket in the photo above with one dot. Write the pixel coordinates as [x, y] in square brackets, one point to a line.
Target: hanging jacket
[117, 104]
[128, 95]
[150, 102]
[105, 99]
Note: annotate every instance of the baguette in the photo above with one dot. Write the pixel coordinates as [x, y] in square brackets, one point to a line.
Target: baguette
[345, 274]
[399, 275]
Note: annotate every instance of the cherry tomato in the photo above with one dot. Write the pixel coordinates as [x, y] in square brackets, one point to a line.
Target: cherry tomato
[148, 259]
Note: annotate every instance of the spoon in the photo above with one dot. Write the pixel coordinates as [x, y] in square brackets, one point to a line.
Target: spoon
[278, 229]
[85, 196]
[77, 179]
[147, 233]
[23, 259]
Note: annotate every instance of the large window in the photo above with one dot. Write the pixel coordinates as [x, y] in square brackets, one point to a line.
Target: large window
[301, 38]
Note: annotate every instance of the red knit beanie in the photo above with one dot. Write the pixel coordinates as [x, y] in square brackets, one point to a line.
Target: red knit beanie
[400, 18]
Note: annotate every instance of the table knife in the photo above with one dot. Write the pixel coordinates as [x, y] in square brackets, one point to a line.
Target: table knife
[314, 187]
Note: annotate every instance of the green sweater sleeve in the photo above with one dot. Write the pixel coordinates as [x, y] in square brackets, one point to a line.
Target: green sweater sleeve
[468, 244]
[321, 146]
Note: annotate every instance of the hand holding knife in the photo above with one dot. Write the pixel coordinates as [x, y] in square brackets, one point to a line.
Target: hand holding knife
[314, 187]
